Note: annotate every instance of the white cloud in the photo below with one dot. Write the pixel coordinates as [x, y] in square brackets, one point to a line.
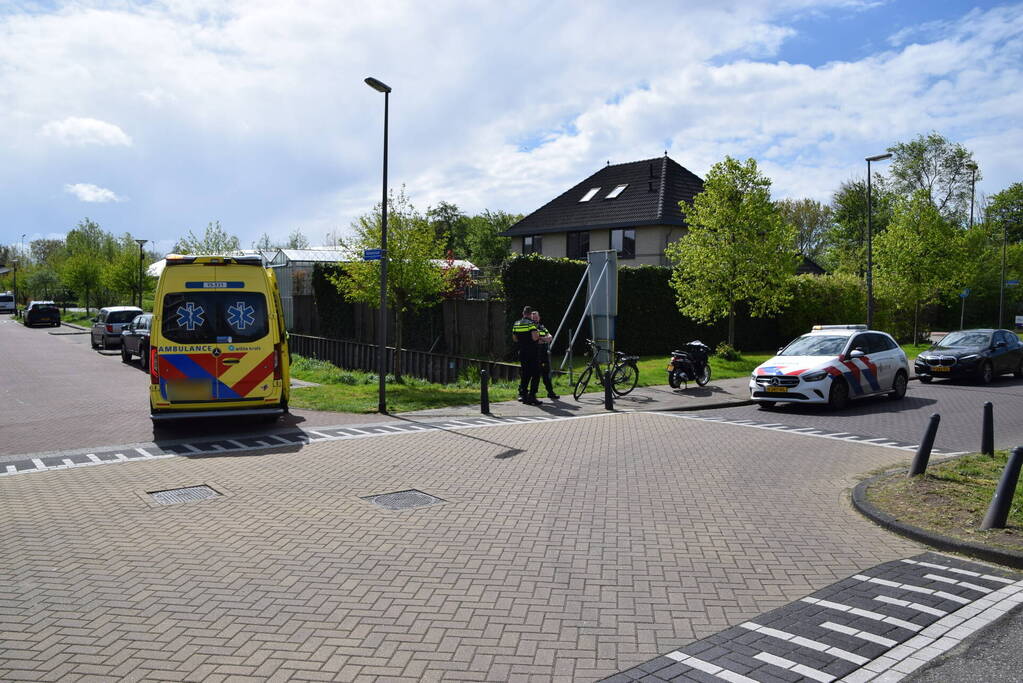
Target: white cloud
[83, 131]
[87, 192]
[253, 112]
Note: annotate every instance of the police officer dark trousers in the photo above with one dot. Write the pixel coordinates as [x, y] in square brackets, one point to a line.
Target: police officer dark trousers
[545, 355]
[526, 336]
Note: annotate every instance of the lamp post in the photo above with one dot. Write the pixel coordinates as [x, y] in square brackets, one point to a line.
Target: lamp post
[141, 257]
[1001, 283]
[973, 186]
[14, 262]
[870, 243]
[382, 332]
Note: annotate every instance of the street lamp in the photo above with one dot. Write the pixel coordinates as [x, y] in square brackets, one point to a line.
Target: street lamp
[1001, 283]
[141, 257]
[382, 332]
[870, 248]
[973, 186]
[14, 263]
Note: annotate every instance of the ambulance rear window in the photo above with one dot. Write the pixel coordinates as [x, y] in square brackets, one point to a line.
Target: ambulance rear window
[214, 317]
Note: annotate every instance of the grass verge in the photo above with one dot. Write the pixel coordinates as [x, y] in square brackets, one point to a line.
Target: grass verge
[350, 391]
[951, 499]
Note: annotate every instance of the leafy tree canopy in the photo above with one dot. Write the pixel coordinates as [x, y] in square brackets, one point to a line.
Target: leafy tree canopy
[214, 240]
[1005, 213]
[811, 219]
[737, 248]
[939, 167]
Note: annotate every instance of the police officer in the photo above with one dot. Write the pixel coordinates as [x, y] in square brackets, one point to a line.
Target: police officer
[525, 334]
[545, 355]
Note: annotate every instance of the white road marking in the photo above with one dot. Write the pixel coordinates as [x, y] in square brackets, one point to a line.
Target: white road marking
[800, 669]
[911, 605]
[707, 667]
[876, 616]
[913, 589]
[964, 572]
[856, 633]
[806, 642]
[964, 584]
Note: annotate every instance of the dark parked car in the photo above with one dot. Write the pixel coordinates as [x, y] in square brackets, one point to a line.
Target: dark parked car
[135, 339]
[972, 354]
[107, 326]
[42, 313]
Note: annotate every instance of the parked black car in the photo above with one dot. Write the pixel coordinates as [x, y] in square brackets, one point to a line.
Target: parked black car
[42, 313]
[135, 339]
[972, 354]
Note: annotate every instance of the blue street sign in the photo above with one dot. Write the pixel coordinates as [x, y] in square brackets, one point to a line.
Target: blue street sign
[965, 293]
[1012, 283]
[372, 254]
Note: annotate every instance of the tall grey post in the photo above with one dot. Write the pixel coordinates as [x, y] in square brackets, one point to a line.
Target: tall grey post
[602, 290]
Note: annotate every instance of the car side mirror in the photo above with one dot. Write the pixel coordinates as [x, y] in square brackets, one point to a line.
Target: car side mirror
[856, 353]
[1000, 345]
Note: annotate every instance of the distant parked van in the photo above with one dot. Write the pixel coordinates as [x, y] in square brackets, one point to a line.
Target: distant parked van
[218, 345]
[7, 304]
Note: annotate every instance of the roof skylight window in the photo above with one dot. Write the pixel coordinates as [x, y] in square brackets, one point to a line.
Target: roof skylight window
[617, 191]
[589, 195]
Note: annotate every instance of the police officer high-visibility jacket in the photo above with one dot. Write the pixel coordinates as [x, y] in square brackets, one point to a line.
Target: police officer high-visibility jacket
[526, 335]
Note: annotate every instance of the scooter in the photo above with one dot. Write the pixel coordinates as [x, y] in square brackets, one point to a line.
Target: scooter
[689, 364]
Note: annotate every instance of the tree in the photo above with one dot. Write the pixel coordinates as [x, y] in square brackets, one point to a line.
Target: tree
[811, 219]
[43, 283]
[845, 242]
[1005, 213]
[82, 272]
[48, 252]
[413, 279]
[737, 249]
[214, 240]
[484, 246]
[938, 166]
[920, 257]
[296, 240]
[264, 243]
[449, 226]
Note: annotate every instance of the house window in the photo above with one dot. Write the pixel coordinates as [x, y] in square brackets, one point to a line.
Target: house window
[589, 194]
[624, 242]
[578, 244]
[532, 244]
[617, 191]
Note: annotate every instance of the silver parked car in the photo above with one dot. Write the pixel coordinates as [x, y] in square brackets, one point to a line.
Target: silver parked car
[107, 326]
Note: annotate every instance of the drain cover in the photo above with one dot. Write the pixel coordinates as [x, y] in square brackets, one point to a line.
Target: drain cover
[404, 500]
[185, 495]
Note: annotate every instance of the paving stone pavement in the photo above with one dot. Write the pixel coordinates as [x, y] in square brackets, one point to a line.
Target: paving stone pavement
[564, 550]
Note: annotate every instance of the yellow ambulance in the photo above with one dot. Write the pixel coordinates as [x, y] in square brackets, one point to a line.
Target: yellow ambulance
[218, 345]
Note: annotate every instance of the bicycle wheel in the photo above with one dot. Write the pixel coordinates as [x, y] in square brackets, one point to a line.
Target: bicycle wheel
[624, 379]
[580, 384]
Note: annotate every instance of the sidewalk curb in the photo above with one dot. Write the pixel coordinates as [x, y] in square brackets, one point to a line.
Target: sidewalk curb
[936, 540]
[706, 406]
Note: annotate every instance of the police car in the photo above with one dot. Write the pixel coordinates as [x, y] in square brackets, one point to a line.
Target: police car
[832, 364]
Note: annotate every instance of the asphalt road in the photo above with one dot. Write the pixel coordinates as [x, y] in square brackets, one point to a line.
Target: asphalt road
[960, 405]
[57, 393]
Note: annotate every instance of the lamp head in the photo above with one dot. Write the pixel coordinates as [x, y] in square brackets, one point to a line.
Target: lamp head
[880, 157]
[377, 85]
[971, 165]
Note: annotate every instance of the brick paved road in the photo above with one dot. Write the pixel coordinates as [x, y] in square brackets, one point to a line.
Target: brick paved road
[58, 393]
[565, 550]
[959, 404]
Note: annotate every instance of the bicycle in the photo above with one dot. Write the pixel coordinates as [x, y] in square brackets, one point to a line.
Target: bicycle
[624, 372]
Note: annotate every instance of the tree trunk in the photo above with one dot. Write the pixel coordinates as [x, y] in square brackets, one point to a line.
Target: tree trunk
[731, 325]
[916, 319]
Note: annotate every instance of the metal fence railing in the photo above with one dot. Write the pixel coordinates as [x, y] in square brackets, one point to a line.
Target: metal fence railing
[433, 367]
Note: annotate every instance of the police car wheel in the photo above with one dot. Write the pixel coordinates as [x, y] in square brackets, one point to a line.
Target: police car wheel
[898, 386]
[838, 397]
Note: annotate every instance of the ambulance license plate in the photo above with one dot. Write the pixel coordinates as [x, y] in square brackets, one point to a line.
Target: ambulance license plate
[190, 390]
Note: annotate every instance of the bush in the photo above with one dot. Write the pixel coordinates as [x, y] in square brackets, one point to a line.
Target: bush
[727, 352]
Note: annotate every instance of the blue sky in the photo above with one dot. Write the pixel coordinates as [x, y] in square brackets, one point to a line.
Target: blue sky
[156, 118]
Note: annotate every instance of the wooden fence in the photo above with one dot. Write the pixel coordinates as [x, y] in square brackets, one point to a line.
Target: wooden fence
[433, 367]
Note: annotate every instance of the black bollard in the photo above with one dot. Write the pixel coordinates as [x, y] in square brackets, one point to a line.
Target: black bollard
[923, 453]
[998, 511]
[609, 400]
[484, 393]
[987, 431]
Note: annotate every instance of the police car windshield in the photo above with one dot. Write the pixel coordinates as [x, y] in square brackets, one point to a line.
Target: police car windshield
[815, 345]
[214, 317]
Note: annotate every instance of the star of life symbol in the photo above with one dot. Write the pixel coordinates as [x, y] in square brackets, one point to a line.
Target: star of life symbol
[190, 316]
[241, 315]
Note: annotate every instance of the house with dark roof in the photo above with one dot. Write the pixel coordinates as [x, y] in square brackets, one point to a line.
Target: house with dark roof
[632, 208]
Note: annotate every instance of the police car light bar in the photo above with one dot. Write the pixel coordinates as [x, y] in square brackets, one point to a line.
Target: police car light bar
[839, 327]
